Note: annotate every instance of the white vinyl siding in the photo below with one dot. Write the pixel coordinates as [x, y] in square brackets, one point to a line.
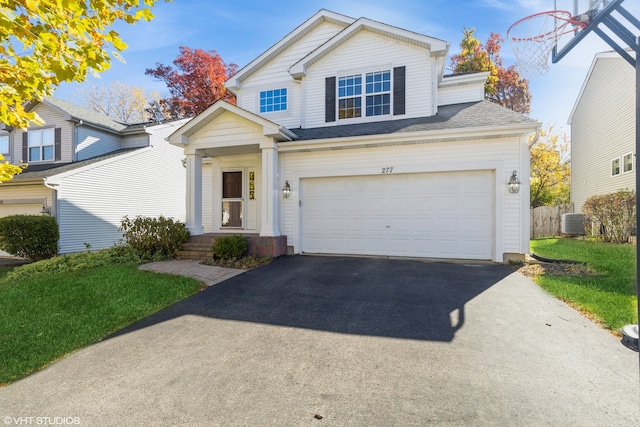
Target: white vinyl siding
[93, 142]
[277, 71]
[148, 182]
[603, 129]
[135, 141]
[499, 155]
[371, 52]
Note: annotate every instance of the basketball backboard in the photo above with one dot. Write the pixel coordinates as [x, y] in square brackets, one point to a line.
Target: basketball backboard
[591, 11]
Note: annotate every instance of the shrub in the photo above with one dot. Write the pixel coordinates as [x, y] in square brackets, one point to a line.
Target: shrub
[154, 238]
[73, 262]
[229, 247]
[614, 213]
[34, 237]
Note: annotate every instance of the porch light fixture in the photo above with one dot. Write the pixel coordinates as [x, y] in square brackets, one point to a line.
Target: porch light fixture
[514, 183]
[46, 210]
[286, 190]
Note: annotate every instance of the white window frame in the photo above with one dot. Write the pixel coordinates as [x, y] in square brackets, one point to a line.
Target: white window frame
[286, 102]
[40, 144]
[624, 164]
[362, 73]
[6, 153]
[611, 169]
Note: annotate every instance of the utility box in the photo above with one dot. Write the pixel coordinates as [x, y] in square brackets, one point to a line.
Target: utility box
[573, 224]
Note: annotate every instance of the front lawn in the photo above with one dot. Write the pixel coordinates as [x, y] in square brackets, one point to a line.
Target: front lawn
[605, 291]
[46, 316]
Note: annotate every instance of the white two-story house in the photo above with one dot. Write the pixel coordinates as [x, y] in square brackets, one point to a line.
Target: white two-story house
[348, 138]
[88, 171]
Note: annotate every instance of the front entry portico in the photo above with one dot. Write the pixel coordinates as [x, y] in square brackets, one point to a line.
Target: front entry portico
[234, 142]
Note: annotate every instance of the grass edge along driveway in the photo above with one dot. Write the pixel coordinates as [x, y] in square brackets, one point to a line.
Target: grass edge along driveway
[604, 291]
[46, 317]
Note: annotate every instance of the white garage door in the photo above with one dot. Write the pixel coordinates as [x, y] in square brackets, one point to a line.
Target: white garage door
[434, 215]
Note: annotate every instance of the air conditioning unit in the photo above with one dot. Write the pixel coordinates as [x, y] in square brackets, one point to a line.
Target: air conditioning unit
[572, 223]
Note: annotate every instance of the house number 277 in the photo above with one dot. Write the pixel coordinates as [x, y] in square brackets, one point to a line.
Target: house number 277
[387, 170]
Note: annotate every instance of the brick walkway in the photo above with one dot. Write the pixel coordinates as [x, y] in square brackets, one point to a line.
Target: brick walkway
[208, 274]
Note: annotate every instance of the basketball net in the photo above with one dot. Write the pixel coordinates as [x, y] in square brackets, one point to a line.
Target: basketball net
[532, 38]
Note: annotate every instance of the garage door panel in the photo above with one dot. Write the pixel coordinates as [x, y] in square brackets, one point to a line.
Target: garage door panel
[440, 215]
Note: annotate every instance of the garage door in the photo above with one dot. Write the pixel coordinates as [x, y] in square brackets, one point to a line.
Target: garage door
[435, 215]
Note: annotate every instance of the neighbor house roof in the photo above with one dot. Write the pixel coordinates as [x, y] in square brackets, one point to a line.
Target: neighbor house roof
[72, 111]
[458, 116]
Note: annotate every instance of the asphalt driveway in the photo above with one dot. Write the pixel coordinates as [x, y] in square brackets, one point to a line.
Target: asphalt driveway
[313, 341]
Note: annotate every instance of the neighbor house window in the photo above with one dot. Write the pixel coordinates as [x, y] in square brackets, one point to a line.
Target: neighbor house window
[615, 167]
[273, 100]
[41, 144]
[627, 163]
[232, 199]
[4, 145]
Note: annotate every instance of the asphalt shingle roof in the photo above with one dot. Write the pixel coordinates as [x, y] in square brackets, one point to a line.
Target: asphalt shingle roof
[86, 114]
[458, 116]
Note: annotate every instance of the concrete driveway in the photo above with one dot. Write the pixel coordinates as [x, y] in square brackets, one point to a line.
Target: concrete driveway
[328, 341]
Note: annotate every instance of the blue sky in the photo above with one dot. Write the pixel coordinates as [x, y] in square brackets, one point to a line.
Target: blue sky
[240, 30]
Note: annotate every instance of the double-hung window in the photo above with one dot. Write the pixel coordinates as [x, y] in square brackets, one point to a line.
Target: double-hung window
[4, 145]
[375, 99]
[627, 163]
[41, 144]
[615, 166]
[378, 88]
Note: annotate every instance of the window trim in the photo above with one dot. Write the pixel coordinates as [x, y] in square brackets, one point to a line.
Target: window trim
[623, 164]
[273, 96]
[611, 170]
[41, 146]
[396, 93]
[275, 86]
[8, 152]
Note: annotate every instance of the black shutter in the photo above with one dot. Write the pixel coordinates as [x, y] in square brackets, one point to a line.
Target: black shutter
[330, 100]
[58, 144]
[25, 146]
[398, 90]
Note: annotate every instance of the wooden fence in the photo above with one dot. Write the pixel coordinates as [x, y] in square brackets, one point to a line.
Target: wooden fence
[546, 220]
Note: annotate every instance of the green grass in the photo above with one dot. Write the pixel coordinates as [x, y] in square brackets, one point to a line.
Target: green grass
[609, 296]
[49, 315]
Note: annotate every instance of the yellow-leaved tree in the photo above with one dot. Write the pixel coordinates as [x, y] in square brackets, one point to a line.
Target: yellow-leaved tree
[46, 42]
[550, 169]
[7, 170]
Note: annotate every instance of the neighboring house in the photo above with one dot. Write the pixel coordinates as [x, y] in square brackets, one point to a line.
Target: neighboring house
[89, 171]
[603, 130]
[348, 139]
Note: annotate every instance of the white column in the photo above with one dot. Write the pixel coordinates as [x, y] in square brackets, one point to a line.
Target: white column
[270, 190]
[194, 193]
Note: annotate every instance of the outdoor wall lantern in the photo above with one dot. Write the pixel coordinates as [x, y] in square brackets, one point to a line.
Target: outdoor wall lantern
[514, 183]
[46, 210]
[286, 190]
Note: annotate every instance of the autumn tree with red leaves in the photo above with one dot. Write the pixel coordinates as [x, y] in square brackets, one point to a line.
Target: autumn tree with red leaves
[504, 85]
[196, 82]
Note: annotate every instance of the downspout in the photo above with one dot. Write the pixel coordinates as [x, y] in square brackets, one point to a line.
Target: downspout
[75, 143]
[54, 204]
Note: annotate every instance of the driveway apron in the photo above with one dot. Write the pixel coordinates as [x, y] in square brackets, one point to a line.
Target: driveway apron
[340, 341]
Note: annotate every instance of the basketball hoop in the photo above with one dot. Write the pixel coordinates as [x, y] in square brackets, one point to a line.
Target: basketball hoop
[533, 38]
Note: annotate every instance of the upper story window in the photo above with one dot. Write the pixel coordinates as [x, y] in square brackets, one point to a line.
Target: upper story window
[627, 163]
[367, 94]
[41, 144]
[4, 145]
[615, 167]
[273, 100]
[377, 95]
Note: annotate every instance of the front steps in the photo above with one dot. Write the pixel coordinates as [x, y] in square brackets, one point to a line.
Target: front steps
[199, 247]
